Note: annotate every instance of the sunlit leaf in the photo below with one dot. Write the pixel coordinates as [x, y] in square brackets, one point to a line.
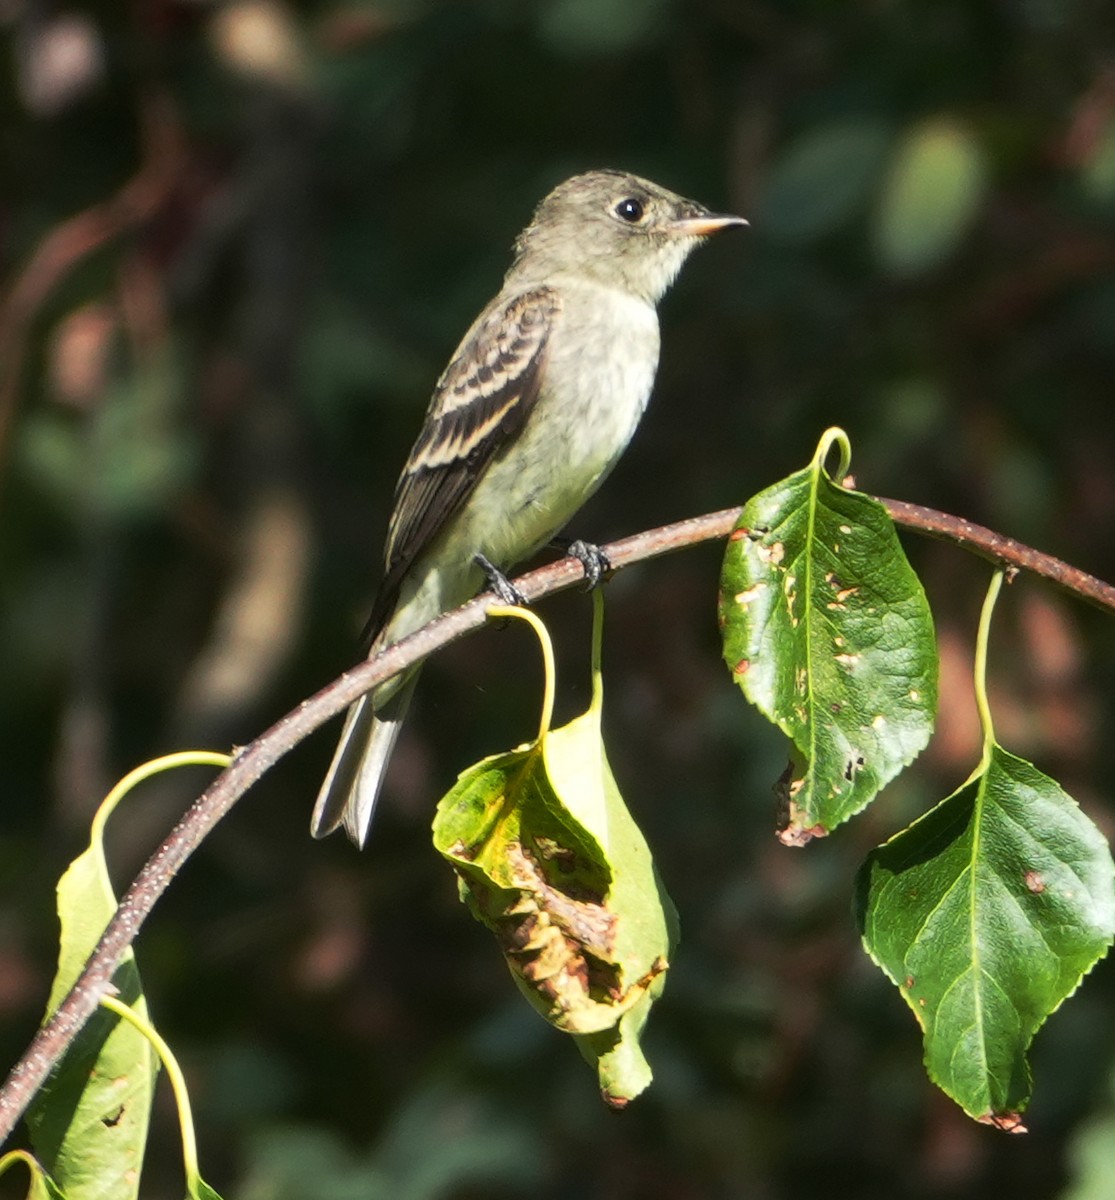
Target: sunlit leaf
[41, 1186]
[827, 631]
[550, 860]
[935, 188]
[986, 913]
[89, 1122]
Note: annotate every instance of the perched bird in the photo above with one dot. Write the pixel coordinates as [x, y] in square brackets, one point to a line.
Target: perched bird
[532, 412]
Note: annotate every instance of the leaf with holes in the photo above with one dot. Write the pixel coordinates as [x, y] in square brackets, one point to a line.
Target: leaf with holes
[827, 631]
[986, 913]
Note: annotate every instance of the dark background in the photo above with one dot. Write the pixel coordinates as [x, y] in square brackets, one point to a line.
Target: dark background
[237, 245]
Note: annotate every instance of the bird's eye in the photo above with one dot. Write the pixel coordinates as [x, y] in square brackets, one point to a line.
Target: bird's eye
[630, 209]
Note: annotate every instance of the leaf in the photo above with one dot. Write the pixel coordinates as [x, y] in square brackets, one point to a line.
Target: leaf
[41, 1186]
[987, 912]
[934, 190]
[550, 860]
[598, 28]
[1090, 1156]
[823, 178]
[1097, 172]
[827, 631]
[89, 1122]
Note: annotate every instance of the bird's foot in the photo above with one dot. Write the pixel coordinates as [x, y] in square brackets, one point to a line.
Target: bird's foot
[498, 583]
[590, 556]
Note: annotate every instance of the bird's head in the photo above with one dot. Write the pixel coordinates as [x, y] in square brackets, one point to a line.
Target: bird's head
[615, 229]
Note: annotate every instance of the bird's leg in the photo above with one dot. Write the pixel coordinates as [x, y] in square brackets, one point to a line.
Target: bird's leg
[589, 555]
[507, 592]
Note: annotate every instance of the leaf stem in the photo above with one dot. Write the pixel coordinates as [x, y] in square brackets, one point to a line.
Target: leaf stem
[547, 646]
[980, 670]
[834, 435]
[184, 758]
[177, 1083]
[25, 1157]
[597, 649]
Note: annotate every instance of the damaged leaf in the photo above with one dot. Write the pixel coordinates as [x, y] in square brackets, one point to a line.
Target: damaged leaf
[550, 860]
[827, 631]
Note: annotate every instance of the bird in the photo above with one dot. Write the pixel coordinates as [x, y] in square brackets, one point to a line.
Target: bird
[538, 402]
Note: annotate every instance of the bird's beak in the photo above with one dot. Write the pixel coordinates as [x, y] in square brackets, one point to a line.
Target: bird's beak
[703, 223]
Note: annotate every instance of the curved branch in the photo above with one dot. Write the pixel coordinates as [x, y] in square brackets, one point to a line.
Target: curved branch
[1001, 550]
[253, 760]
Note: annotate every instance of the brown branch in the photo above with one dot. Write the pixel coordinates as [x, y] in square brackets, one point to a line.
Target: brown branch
[54, 1037]
[76, 238]
[1001, 550]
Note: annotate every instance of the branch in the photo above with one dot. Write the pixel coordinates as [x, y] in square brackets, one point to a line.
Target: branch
[1000, 550]
[53, 1038]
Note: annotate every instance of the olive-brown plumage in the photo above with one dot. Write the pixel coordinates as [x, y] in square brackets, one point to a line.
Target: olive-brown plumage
[535, 407]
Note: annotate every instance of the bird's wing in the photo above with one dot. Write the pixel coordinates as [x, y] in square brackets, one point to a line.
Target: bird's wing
[480, 404]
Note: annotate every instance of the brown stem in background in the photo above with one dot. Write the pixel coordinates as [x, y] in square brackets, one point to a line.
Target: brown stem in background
[77, 237]
[54, 1037]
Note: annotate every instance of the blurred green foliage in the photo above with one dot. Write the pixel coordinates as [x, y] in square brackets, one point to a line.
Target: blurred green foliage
[237, 244]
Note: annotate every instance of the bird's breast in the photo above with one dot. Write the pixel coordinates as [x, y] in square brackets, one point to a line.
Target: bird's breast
[599, 371]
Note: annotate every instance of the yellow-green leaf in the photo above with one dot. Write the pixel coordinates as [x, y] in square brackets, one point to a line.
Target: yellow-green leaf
[936, 185]
[551, 861]
[41, 1187]
[89, 1123]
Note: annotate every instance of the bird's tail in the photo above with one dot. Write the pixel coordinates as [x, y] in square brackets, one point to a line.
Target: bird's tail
[348, 795]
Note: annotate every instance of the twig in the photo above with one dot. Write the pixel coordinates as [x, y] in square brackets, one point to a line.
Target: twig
[1000, 550]
[50, 1043]
[77, 237]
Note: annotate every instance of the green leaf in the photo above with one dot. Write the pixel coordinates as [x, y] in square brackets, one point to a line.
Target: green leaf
[936, 185]
[827, 631]
[89, 1122]
[823, 178]
[1090, 1155]
[550, 860]
[597, 28]
[41, 1186]
[200, 1190]
[986, 913]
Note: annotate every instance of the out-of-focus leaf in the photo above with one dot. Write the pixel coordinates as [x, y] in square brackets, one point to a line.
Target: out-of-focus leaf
[126, 460]
[827, 631]
[935, 187]
[444, 1138]
[595, 27]
[986, 913]
[1097, 174]
[300, 1163]
[1091, 1156]
[823, 179]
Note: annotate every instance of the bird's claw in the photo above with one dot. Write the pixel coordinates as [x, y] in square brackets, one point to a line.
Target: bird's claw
[498, 583]
[592, 559]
